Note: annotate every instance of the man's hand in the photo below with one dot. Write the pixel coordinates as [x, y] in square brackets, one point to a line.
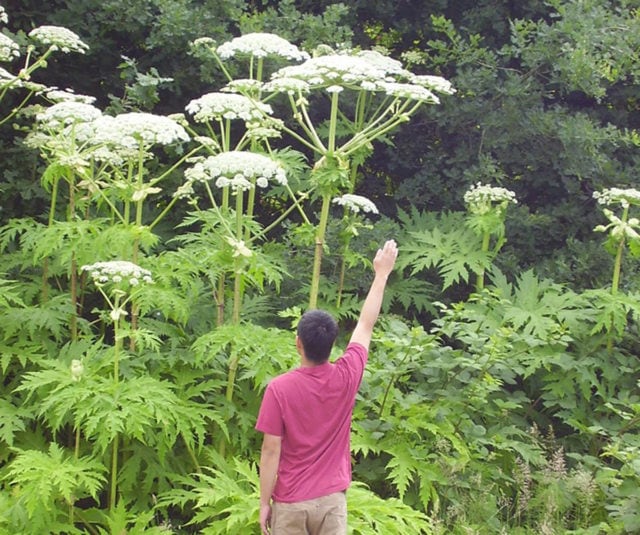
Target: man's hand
[385, 258]
[265, 519]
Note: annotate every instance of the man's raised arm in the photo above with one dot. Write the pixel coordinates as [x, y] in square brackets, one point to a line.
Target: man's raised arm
[383, 264]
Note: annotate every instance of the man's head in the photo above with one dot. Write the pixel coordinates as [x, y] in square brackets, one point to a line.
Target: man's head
[317, 331]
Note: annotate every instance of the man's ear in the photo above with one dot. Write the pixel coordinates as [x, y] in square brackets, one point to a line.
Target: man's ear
[299, 346]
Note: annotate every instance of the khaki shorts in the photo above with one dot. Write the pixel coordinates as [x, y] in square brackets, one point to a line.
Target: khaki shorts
[326, 515]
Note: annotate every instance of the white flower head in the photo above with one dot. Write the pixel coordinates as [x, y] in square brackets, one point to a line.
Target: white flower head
[58, 38]
[135, 129]
[435, 83]
[409, 91]
[67, 95]
[621, 196]
[356, 203]
[240, 248]
[243, 85]
[77, 369]
[3, 15]
[349, 70]
[238, 170]
[66, 113]
[9, 49]
[481, 198]
[261, 45]
[204, 42]
[7, 79]
[227, 106]
[287, 85]
[334, 89]
[118, 273]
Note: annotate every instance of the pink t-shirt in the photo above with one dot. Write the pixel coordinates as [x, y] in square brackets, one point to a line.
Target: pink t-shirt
[310, 408]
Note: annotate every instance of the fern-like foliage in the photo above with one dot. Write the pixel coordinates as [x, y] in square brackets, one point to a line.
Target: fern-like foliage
[448, 245]
[369, 514]
[225, 496]
[43, 479]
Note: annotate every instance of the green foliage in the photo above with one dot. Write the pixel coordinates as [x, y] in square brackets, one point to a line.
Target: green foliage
[46, 479]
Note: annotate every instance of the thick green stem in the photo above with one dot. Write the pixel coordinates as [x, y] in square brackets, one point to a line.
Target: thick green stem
[480, 275]
[617, 269]
[332, 122]
[317, 259]
[45, 266]
[237, 283]
[617, 265]
[116, 375]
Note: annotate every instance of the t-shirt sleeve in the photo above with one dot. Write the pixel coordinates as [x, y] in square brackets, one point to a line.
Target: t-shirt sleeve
[270, 415]
[355, 359]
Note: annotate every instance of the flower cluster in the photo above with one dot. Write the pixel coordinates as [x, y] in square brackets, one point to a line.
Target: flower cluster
[77, 369]
[243, 85]
[238, 170]
[261, 45]
[3, 15]
[363, 70]
[356, 203]
[410, 91]
[287, 85]
[67, 95]
[66, 113]
[131, 130]
[436, 83]
[620, 229]
[9, 49]
[227, 106]
[481, 198]
[239, 248]
[58, 38]
[624, 197]
[118, 272]
[6, 77]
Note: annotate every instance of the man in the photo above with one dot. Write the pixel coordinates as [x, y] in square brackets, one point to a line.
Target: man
[305, 416]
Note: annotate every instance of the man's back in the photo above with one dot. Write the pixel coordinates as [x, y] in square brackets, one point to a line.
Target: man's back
[310, 408]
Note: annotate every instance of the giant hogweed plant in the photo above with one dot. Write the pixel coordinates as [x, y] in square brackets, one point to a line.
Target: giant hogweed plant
[368, 95]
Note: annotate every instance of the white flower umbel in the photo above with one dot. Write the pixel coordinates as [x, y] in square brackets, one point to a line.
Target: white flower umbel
[239, 248]
[7, 78]
[77, 369]
[243, 85]
[3, 15]
[227, 106]
[58, 38]
[435, 83]
[261, 45]
[356, 203]
[120, 273]
[409, 91]
[481, 198]
[65, 113]
[131, 130]
[623, 197]
[287, 85]
[9, 49]
[238, 170]
[619, 228]
[360, 71]
[67, 95]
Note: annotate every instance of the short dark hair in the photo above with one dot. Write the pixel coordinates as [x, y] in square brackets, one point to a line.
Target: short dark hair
[317, 331]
